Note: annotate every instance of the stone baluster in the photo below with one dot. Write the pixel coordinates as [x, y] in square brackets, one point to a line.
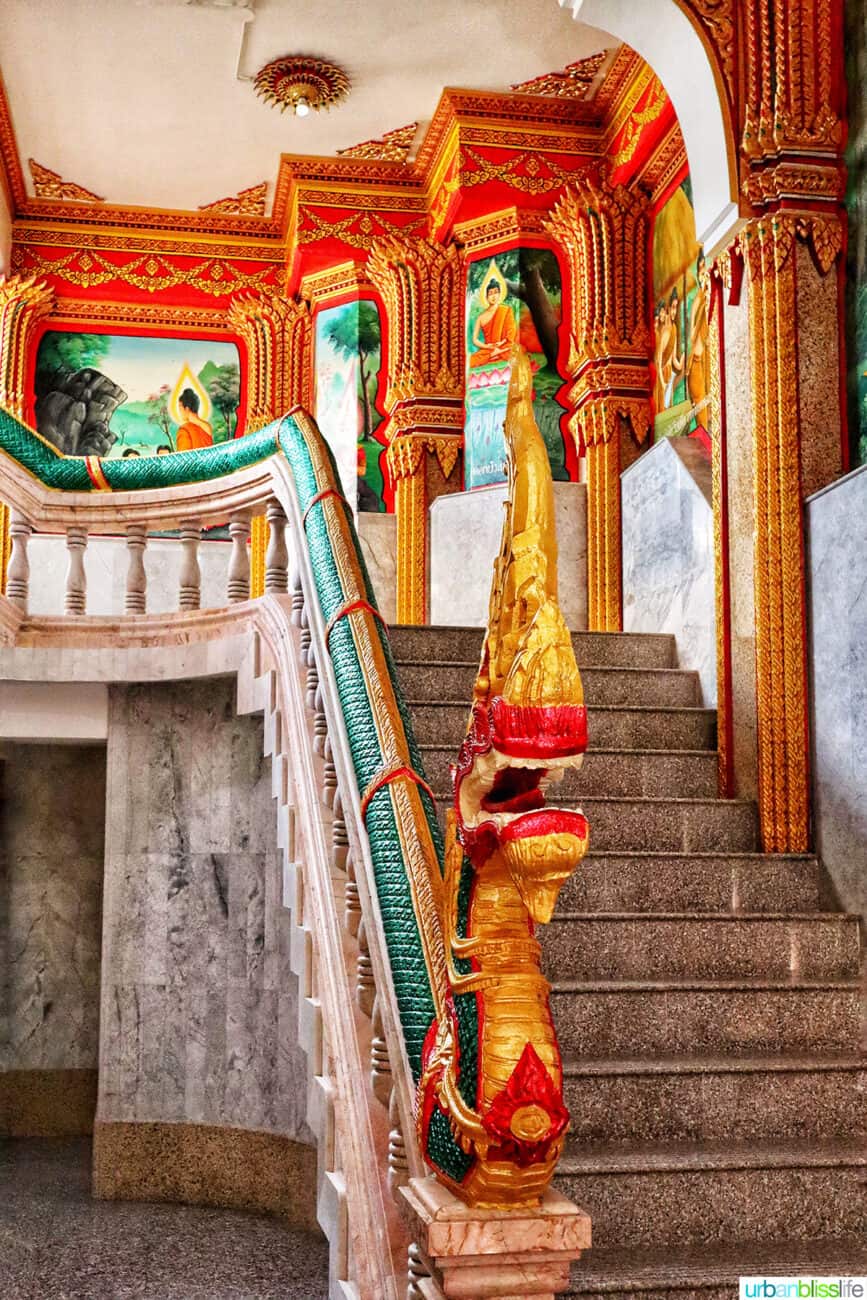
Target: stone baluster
[191, 575]
[306, 639]
[18, 573]
[276, 556]
[351, 899]
[136, 576]
[380, 1065]
[239, 563]
[398, 1164]
[416, 1273]
[330, 796]
[312, 683]
[297, 602]
[365, 988]
[76, 578]
[339, 840]
[320, 722]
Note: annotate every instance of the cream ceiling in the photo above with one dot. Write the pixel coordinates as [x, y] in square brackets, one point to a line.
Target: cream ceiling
[150, 102]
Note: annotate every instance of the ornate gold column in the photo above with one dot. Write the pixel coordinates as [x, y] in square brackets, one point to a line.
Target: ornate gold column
[420, 281]
[279, 340]
[602, 230]
[24, 301]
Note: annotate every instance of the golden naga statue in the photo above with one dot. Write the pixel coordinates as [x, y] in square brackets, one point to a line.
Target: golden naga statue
[508, 854]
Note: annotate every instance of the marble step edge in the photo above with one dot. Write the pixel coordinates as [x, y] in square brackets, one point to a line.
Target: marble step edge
[651, 801]
[624, 1272]
[783, 1063]
[725, 918]
[755, 984]
[657, 1158]
[588, 668]
[692, 710]
[618, 751]
[740, 857]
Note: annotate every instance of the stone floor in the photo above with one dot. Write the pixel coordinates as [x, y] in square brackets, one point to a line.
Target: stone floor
[58, 1244]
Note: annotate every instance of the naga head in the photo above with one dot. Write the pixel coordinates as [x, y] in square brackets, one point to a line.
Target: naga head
[528, 722]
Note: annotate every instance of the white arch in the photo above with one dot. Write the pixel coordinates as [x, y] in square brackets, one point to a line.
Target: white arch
[663, 35]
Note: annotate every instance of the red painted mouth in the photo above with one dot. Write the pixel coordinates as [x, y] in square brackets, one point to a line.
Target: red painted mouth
[515, 790]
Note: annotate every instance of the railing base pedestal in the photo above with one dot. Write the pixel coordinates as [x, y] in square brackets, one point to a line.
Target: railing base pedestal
[492, 1254]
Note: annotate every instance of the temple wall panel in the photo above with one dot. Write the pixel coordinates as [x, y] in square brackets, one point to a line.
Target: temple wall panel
[199, 1005]
[818, 372]
[836, 536]
[52, 821]
[668, 564]
[377, 534]
[741, 545]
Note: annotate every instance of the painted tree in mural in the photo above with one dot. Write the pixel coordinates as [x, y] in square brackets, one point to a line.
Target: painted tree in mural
[539, 288]
[158, 413]
[224, 387]
[359, 334]
[61, 354]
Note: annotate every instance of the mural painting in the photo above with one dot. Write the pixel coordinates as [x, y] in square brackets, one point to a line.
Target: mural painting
[680, 320]
[348, 365]
[856, 202]
[121, 395]
[514, 296]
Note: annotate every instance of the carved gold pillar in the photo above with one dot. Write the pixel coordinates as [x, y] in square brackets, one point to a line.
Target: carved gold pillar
[419, 281]
[24, 301]
[278, 336]
[603, 232]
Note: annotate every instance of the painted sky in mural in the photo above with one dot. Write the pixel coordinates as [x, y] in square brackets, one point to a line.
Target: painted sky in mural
[856, 202]
[680, 319]
[515, 295]
[116, 394]
[348, 363]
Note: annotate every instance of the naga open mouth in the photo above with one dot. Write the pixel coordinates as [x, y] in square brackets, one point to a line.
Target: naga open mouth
[510, 758]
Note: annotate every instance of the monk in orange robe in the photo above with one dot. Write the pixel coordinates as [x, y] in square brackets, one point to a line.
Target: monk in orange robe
[495, 330]
[194, 432]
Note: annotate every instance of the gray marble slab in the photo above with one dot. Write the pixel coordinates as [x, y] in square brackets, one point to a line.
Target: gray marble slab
[836, 537]
[668, 558]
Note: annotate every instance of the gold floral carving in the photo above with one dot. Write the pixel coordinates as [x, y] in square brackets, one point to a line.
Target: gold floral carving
[324, 287]
[530, 172]
[151, 273]
[495, 228]
[394, 146]
[246, 203]
[574, 82]
[718, 17]
[636, 122]
[24, 301]
[278, 333]
[603, 230]
[419, 281]
[51, 185]
[357, 231]
[715, 351]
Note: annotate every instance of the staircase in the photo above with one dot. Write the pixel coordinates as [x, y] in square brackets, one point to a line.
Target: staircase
[709, 1007]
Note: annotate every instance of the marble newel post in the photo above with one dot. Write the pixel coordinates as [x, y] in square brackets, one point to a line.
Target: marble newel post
[419, 281]
[496, 1254]
[602, 231]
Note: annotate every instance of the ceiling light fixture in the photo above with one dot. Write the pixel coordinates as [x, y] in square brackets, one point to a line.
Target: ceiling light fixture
[301, 83]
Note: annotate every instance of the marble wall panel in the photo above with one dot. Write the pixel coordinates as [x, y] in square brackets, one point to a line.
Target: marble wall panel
[52, 821]
[378, 537]
[465, 534]
[818, 372]
[836, 534]
[742, 527]
[200, 1012]
[668, 565]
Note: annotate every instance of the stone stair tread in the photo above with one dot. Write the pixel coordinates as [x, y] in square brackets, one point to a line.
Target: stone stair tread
[613, 753]
[686, 1157]
[621, 1272]
[716, 917]
[745, 985]
[590, 668]
[414, 703]
[778, 1063]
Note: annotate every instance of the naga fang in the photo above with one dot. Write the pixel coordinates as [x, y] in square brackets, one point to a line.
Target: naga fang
[508, 853]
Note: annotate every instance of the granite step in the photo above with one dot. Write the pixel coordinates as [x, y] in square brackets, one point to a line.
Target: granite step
[721, 1017]
[693, 882]
[592, 649]
[444, 723]
[613, 772]
[669, 825]
[698, 945]
[689, 1195]
[714, 1098]
[709, 1272]
[640, 687]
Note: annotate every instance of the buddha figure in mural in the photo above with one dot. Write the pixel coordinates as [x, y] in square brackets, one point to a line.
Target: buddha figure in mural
[495, 329]
[193, 431]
